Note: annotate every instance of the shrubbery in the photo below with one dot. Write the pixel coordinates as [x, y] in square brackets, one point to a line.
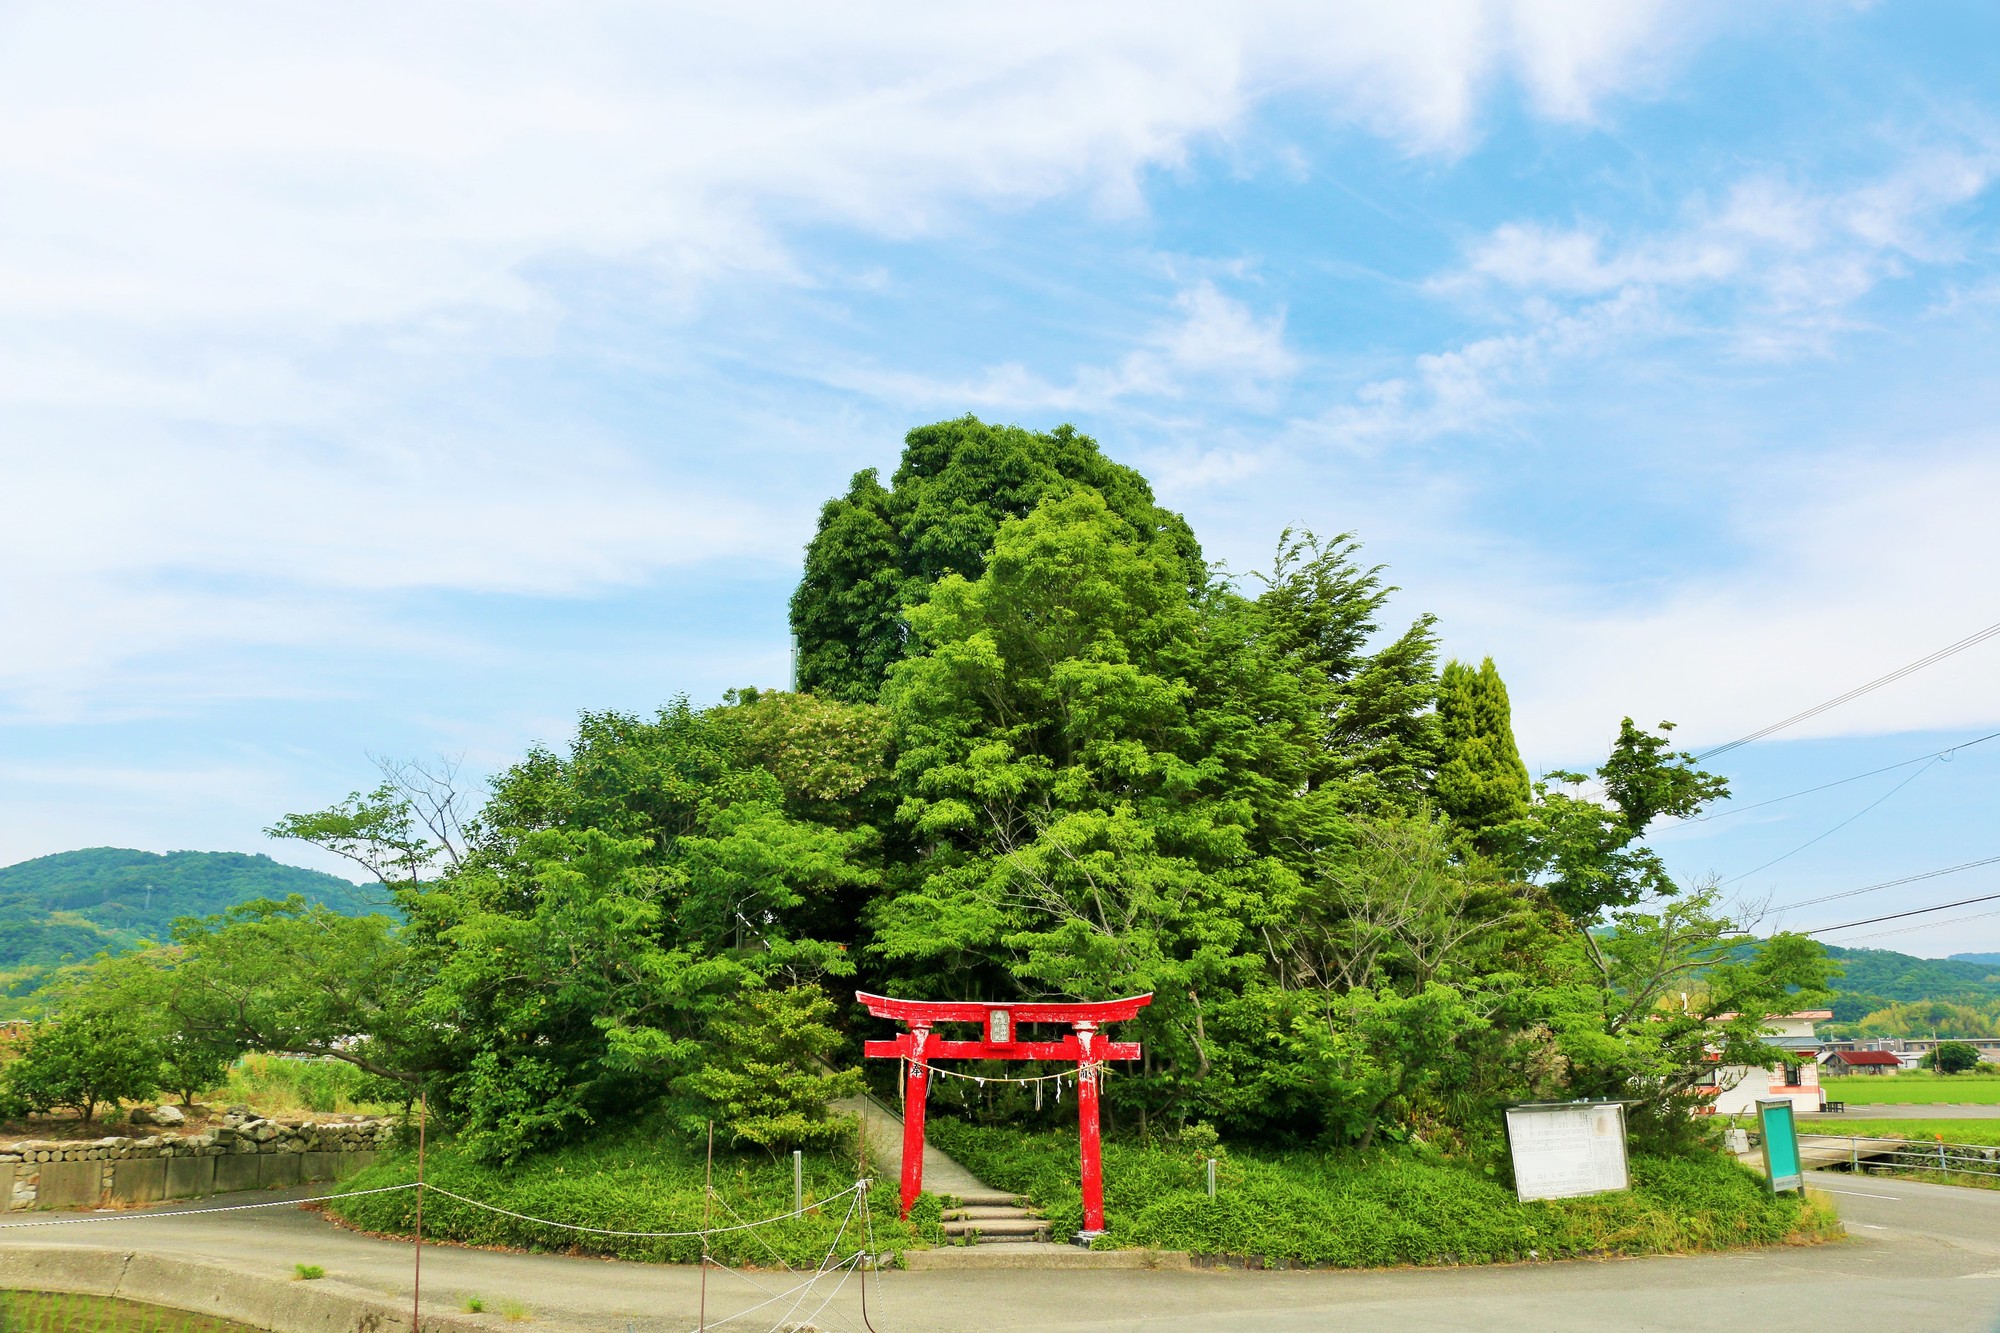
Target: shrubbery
[644, 1177]
[1401, 1206]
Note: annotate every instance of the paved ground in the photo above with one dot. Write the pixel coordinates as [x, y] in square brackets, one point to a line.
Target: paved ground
[1922, 1258]
[1909, 1111]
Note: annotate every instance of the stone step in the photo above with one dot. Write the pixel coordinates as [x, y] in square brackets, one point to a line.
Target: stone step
[1012, 1228]
[986, 1198]
[986, 1211]
[1017, 1254]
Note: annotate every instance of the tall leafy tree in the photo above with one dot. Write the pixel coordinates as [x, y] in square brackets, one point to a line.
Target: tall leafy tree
[879, 549]
[1481, 782]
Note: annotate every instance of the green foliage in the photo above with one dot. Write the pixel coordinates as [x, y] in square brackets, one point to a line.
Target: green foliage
[308, 1272]
[276, 1083]
[1042, 751]
[1375, 1209]
[1582, 850]
[765, 1080]
[879, 550]
[1481, 781]
[84, 1063]
[1953, 1057]
[1931, 1018]
[642, 1176]
[1898, 978]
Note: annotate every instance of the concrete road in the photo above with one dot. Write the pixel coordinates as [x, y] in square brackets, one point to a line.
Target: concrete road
[1922, 1257]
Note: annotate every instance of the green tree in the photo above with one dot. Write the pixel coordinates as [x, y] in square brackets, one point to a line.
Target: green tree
[85, 1062]
[1953, 1057]
[1481, 782]
[879, 550]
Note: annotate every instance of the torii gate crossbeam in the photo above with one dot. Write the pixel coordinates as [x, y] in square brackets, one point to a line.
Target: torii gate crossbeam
[1087, 1046]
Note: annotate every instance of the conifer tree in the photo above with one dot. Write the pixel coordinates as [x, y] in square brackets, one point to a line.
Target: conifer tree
[1481, 782]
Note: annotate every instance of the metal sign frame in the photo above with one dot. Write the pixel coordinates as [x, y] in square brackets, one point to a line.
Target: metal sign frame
[1778, 1120]
[1624, 1155]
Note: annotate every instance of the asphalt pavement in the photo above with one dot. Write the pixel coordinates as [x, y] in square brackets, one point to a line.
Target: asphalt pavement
[1921, 1257]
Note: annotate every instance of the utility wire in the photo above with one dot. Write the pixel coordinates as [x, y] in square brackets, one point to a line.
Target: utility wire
[1887, 884]
[1914, 911]
[1926, 925]
[1837, 827]
[1855, 693]
[1944, 754]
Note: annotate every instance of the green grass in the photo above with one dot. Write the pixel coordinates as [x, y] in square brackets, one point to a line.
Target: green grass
[69, 1312]
[1914, 1089]
[645, 1177]
[1983, 1132]
[275, 1084]
[1401, 1206]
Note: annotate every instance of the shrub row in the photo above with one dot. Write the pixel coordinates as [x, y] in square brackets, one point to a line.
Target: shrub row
[1397, 1206]
[641, 1178]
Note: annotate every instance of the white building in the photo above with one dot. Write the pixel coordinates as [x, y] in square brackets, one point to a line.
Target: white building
[1793, 1071]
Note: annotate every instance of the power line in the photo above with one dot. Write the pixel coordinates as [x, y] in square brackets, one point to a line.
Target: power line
[1827, 786]
[1886, 884]
[1914, 911]
[1837, 827]
[1855, 693]
[1927, 925]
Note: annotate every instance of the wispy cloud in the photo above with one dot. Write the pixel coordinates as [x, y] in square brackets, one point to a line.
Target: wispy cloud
[1213, 342]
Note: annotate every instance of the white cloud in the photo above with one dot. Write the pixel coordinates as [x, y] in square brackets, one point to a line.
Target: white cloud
[1215, 343]
[239, 241]
[1850, 571]
[1791, 261]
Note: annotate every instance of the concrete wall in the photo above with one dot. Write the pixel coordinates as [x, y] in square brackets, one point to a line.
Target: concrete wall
[212, 1288]
[245, 1153]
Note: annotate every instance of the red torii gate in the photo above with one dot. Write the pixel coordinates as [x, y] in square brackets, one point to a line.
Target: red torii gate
[1088, 1046]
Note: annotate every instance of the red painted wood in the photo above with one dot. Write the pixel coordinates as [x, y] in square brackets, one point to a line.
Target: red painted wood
[916, 1091]
[1089, 1048]
[1066, 1049]
[1091, 1149]
[928, 1012]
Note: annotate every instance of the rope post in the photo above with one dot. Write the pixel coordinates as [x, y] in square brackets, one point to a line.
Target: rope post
[798, 1180]
[707, 1208]
[417, 1262]
[1211, 1177]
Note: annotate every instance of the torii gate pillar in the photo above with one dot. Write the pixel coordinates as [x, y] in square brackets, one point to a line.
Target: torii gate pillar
[1087, 1045]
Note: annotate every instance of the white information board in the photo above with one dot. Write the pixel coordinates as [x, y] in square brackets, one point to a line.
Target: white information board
[1565, 1149]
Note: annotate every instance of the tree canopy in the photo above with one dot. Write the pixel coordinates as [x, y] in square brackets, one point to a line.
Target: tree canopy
[1039, 750]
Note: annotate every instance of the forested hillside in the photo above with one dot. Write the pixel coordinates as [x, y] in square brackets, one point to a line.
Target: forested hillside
[74, 904]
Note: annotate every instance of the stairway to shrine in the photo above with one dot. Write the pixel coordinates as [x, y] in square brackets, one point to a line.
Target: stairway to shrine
[988, 1215]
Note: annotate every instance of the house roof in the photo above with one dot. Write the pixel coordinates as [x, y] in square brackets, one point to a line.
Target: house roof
[1867, 1057]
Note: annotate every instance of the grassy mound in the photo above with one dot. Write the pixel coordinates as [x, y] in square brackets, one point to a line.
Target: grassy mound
[645, 1177]
[1392, 1207]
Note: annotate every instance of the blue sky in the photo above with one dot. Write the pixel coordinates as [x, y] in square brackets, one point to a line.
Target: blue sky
[392, 384]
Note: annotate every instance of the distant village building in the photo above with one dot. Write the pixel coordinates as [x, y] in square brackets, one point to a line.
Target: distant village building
[1793, 1071]
[1861, 1062]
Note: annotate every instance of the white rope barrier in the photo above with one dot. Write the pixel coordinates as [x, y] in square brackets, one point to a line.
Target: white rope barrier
[643, 1235]
[196, 1212]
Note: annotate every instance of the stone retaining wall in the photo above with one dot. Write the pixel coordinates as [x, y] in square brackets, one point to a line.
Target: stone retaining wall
[245, 1152]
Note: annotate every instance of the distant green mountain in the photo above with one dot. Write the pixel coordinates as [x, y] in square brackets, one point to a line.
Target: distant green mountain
[1876, 977]
[1989, 959]
[75, 904]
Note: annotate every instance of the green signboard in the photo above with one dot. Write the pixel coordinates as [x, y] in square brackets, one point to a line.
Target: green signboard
[1781, 1143]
